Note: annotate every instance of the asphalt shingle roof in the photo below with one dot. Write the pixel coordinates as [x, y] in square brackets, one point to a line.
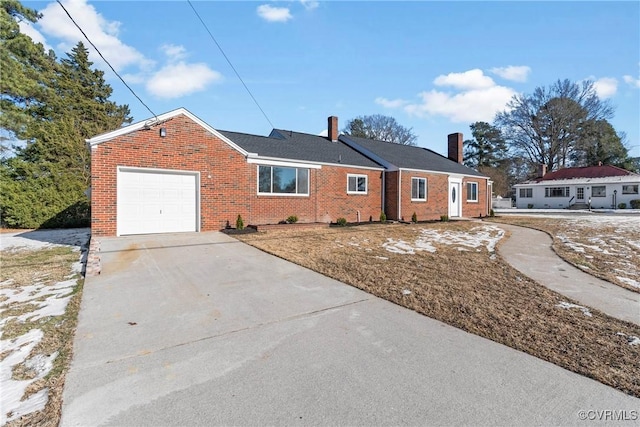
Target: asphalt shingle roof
[290, 145]
[410, 157]
[586, 172]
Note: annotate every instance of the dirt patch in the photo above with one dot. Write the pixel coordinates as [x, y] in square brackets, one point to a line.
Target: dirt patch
[605, 247]
[466, 284]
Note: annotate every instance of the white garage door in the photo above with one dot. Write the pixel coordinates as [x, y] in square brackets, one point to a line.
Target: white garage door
[156, 201]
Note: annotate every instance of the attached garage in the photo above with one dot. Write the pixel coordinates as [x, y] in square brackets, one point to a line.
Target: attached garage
[156, 201]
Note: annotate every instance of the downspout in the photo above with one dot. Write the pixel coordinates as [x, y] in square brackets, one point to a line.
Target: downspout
[384, 189]
[399, 194]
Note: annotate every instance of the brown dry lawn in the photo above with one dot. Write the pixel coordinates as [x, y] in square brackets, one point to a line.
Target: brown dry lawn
[48, 266]
[470, 288]
[606, 247]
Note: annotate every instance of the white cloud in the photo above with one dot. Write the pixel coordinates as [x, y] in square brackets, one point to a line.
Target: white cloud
[103, 33]
[475, 97]
[605, 87]
[174, 52]
[516, 73]
[472, 79]
[310, 4]
[468, 106]
[274, 14]
[180, 79]
[29, 30]
[632, 81]
[390, 103]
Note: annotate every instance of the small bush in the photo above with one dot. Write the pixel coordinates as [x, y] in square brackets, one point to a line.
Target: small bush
[530, 206]
[635, 204]
[239, 223]
[414, 218]
[444, 218]
[292, 219]
[383, 217]
[622, 205]
[341, 222]
[492, 213]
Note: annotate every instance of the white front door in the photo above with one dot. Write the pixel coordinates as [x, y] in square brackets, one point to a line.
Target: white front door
[454, 199]
[155, 201]
[580, 194]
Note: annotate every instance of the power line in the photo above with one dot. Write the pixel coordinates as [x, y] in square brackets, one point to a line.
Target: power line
[230, 64]
[105, 60]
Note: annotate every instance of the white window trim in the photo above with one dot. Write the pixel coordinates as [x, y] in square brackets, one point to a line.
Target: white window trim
[477, 195]
[259, 193]
[637, 187]
[366, 183]
[597, 196]
[426, 193]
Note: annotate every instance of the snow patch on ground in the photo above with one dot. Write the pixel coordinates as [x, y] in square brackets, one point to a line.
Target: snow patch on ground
[35, 301]
[486, 235]
[568, 305]
[631, 339]
[628, 281]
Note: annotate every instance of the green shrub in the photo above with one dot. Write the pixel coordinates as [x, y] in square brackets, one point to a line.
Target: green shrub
[292, 219]
[239, 223]
[635, 204]
[492, 213]
[341, 222]
[622, 205]
[383, 217]
[414, 218]
[444, 218]
[530, 206]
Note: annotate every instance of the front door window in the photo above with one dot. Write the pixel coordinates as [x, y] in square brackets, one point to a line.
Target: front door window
[453, 194]
[580, 193]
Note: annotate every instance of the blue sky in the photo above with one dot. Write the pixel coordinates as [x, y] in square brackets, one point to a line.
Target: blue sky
[436, 67]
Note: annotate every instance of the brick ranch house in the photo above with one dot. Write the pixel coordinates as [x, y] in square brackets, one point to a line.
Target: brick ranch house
[176, 173]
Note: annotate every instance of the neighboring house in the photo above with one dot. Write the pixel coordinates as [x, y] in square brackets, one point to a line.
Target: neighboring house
[598, 187]
[175, 173]
[422, 181]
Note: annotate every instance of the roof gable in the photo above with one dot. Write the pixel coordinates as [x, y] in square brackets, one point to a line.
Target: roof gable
[155, 121]
[394, 156]
[587, 172]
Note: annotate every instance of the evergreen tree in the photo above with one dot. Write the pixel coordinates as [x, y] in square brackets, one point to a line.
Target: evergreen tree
[487, 148]
[50, 107]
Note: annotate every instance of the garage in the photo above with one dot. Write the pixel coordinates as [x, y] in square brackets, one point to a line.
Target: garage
[156, 201]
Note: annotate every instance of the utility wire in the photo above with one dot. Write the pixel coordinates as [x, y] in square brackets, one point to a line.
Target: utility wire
[230, 64]
[105, 60]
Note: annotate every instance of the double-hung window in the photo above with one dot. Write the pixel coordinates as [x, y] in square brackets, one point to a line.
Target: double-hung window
[526, 193]
[630, 189]
[283, 180]
[472, 191]
[556, 192]
[356, 184]
[418, 189]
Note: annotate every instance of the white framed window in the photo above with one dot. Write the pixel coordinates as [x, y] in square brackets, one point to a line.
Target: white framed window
[418, 189]
[356, 184]
[598, 191]
[630, 189]
[472, 191]
[286, 181]
[526, 193]
[556, 192]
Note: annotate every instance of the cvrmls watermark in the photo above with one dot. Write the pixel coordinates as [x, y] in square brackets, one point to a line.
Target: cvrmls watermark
[609, 415]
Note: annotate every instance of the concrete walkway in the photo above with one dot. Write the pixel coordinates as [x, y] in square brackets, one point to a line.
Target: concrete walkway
[530, 252]
[200, 329]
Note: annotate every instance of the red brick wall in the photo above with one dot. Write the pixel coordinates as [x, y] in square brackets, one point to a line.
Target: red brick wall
[475, 209]
[391, 196]
[228, 184]
[437, 196]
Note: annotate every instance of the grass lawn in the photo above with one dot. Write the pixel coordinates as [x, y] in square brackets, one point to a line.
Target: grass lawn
[40, 291]
[450, 272]
[606, 246]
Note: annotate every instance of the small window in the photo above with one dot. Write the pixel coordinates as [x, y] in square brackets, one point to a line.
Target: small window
[526, 193]
[599, 191]
[419, 189]
[282, 180]
[472, 191]
[630, 189]
[357, 184]
[556, 192]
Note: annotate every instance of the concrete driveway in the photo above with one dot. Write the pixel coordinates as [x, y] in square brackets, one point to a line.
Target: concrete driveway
[199, 329]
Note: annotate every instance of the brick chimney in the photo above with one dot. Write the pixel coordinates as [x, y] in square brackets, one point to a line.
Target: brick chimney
[332, 128]
[455, 147]
[542, 170]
